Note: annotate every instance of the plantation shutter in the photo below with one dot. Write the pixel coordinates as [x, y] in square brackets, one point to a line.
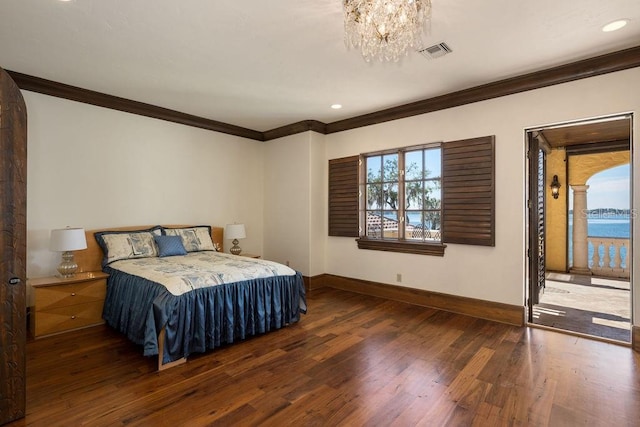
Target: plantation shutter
[468, 191]
[343, 197]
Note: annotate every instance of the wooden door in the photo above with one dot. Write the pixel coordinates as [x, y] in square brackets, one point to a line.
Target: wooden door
[13, 230]
[537, 237]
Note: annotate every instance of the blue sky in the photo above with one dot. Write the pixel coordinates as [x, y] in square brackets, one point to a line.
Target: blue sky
[609, 189]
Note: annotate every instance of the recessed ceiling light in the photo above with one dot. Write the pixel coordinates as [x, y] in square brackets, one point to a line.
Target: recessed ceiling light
[336, 106]
[615, 25]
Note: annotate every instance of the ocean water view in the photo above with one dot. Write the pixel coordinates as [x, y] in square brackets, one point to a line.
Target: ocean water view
[614, 226]
[618, 226]
[609, 227]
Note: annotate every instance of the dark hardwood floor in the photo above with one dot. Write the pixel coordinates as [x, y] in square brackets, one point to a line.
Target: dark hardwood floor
[353, 360]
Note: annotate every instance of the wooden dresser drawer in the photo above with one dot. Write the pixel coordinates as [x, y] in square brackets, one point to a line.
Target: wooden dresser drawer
[62, 319]
[48, 297]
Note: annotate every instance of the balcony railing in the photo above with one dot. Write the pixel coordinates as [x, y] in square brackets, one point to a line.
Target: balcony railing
[610, 256]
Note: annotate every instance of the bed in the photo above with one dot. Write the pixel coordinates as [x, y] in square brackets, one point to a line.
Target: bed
[173, 291]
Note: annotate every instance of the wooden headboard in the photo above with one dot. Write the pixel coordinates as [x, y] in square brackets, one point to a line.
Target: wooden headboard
[90, 259]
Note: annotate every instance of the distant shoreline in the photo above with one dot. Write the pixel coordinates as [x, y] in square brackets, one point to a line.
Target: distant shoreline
[607, 213]
[605, 225]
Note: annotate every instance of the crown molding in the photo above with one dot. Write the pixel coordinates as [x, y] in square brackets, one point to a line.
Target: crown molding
[299, 127]
[603, 64]
[74, 93]
[616, 61]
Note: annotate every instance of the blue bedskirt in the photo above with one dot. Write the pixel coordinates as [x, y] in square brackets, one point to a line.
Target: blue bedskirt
[202, 319]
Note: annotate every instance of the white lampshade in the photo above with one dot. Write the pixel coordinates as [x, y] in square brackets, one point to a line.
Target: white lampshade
[235, 231]
[67, 239]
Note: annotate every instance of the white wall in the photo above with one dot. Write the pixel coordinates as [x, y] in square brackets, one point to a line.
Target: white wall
[93, 167]
[295, 215]
[495, 274]
[318, 223]
[287, 201]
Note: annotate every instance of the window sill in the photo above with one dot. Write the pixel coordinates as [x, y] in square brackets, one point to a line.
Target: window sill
[434, 249]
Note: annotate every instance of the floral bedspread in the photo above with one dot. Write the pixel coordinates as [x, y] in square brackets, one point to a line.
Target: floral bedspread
[181, 274]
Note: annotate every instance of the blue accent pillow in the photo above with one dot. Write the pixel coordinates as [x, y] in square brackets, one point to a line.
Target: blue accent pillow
[170, 246]
[194, 239]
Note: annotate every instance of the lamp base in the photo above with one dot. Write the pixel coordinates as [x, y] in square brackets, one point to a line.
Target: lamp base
[68, 266]
[235, 249]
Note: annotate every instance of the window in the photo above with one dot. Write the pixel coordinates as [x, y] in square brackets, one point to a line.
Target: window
[401, 195]
[444, 193]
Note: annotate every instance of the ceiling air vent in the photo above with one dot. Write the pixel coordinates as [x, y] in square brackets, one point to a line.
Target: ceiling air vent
[436, 51]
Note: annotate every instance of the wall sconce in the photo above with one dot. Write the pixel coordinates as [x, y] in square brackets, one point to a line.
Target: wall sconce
[555, 187]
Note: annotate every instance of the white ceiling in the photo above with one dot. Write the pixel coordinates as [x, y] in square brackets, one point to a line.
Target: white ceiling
[262, 64]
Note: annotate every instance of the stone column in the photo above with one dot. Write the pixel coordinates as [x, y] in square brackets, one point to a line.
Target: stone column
[580, 244]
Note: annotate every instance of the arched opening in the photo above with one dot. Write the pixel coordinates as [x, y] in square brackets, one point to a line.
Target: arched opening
[608, 217]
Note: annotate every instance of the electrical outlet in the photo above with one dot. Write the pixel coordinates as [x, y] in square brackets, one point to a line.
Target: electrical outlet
[398, 277]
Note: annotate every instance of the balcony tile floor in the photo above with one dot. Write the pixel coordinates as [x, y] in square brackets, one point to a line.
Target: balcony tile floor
[587, 305]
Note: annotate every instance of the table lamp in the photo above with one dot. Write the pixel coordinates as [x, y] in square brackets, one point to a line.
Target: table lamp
[235, 232]
[66, 240]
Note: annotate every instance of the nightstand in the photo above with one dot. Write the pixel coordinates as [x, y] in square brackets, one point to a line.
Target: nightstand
[63, 305]
[250, 255]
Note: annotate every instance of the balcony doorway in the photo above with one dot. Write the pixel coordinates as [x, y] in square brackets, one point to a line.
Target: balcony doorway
[579, 231]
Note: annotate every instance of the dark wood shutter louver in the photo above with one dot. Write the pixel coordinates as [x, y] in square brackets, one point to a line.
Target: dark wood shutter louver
[468, 191]
[343, 197]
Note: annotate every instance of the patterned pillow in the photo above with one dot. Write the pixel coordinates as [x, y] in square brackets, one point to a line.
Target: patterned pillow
[118, 245]
[169, 246]
[194, 239]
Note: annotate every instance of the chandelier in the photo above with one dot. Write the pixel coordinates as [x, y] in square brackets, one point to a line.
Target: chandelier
[385, 29]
